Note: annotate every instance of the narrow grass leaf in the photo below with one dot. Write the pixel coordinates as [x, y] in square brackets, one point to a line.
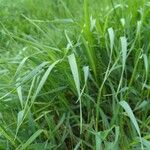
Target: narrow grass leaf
[44, 78]
[20, 66]
[129, 111]
[93, 23]
[77, 146]
[111, 37]
[32, 22]
[34, 72]
[122, 20]
[124, 50]
[142, 105]
[68, 39]
[28, 97]
[20, 118]
[30, 92]
[146, 63]
[139, 23]
[86, 73]
[131, 115]
[19, 121]
[116, 133]
[19, 91]
[98, 141]
[74, 70]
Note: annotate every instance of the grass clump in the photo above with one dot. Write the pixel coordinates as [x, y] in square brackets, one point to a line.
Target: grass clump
[74, 74]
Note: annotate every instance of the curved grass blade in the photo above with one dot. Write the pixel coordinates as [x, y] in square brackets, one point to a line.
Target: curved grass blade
[129, 111]
[44, 78]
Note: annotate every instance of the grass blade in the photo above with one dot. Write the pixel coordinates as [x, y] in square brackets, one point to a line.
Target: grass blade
[30, 140]
[7, 136]
[44, 78]
[98, 141]
[20, 66]
[124, 50]
[75, 73]
[19, 91]
[111, 37]
[19, 121]
[132, 118]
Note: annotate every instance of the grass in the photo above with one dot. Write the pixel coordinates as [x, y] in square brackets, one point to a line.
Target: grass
[74, 74]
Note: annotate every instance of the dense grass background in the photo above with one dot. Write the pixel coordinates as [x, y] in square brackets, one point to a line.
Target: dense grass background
[74, 74]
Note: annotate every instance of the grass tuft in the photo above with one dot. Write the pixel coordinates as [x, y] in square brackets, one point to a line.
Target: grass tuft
[74, 74]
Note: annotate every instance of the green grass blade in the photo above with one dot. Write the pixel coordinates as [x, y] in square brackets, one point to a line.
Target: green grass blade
[86, 73]
[98, 141]
[111, 37]
[129, 111]
[146, 64]
[7, 136]
[44, 78]
[30, 140]
[34, 72]
[124, 50]
[19, 121]
[20, 66]
[74, 70]
[19, 91]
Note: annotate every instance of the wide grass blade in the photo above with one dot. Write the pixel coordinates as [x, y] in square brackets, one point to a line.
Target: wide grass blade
[146, 64]
[74, 70]
[98, 141]
[111, 37]
[124, 57]
[129, 111]
[124, 50]
[86, 73]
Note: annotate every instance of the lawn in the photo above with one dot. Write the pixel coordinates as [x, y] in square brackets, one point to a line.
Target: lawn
[74, 75]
